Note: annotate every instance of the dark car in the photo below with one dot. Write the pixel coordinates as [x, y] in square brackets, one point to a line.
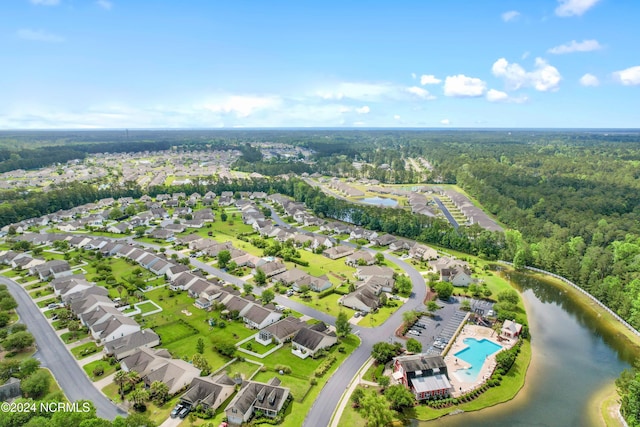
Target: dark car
[184, 411]
[174, 413]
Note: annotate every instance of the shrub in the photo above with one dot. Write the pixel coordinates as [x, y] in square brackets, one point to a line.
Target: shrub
[98, 371]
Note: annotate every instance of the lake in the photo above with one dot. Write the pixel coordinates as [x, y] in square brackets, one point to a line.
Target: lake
[380, 201]
[574, 355]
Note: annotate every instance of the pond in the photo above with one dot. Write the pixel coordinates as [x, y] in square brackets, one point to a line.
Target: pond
[380, 201]
[574, 355]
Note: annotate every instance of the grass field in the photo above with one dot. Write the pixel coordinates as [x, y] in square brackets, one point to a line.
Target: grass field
[108, 369]
[245, 369]
[85, 350]
[67, 336]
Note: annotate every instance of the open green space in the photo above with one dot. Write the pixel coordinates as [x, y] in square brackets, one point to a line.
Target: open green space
[41, 292]
[257, 347]
[243, 368]
[90, 367]
[69, 337]
[85, 350]
[175, 331]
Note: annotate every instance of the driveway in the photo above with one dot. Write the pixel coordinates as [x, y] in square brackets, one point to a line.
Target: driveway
[54, 355]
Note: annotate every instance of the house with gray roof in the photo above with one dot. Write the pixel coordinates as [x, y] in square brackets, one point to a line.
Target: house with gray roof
[365, 298]
[308, 341]
[281, 331]
[129, 344]
[424, 375]
[208, 392]
[258, 317]
[269, 399]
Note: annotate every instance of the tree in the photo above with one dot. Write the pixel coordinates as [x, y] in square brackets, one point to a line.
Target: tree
[201, 363]
[223, 216]
[356, 396]
[375, 409]
[4, 319]
[36, 385]
[383, 352]
[120, 379]
[414, 346]
[343, 327]
[510, 296]
[29, 366]
[384, 381]
[140, 230]
[403, 285]
[18, 341]
[115, 214]
[432, 306]
[139, 396]
[399, 397]
[223, 258]
[133, 420]
[247, 288]
[226, 348]
[444, 290]
[200, 346]
[383, 299]
[379, 258]
[159, 392]
[465, 305]
[267, 296]
[260, 277]
[8, 369]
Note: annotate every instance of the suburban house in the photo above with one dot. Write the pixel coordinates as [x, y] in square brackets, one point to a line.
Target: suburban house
[424, 375]
[423, 252]
[70, 284]
[359, 258]
[129, 344]
[308, 341]
[365, 272]
[457, 276]
[365, 299]
[208, 392]
[281, 331]
[53, 269]
[271, 268]
[157, 365]
[297, 278]
[115, 326]
[268, 399]
[339, 251]
[258, 317]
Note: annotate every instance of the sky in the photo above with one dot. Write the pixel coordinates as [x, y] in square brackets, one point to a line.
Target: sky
[74, 64]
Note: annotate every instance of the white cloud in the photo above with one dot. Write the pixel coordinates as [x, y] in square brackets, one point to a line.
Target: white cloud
[45, 2]
[543, 78]
[429, 79]
[105, 4]
[463, 86]
[358, 91]
[589, 80]
[629, 76]
[363, 110]
[574, 7]
[510, 15]
[494, 95]
[396, 116]
[242, 105]
[39, 36]
[445, 122]
[420, 93]
[525, 55]
[414, 76]
[574, 46]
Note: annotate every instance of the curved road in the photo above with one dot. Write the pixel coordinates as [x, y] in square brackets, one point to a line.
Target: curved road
[54, 355]
[330, 395]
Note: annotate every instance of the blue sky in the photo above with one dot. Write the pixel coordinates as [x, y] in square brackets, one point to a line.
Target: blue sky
[454, 63]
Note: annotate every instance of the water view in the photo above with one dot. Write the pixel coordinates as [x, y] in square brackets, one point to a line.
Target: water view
[475, 355]
[574, 357]
[380, 201]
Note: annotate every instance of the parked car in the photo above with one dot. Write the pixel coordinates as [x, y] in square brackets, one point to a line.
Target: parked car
[184, 411]
[174, 413]
[356, 314]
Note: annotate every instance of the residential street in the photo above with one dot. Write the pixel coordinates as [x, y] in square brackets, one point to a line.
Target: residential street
[54, 355]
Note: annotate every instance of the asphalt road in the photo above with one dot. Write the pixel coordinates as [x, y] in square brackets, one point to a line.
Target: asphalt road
[53, 354]
[446, 213]
[329, 397]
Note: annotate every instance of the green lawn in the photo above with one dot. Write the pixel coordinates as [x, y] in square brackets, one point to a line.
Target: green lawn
[257, 347]
[85, 350]
[108, 369]
[376, 319]
[68, 338]
[34, 286]
[175, 331]
[41, 292]
[245, 369]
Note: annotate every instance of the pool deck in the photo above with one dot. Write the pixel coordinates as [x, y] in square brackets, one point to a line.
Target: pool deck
[453, 363]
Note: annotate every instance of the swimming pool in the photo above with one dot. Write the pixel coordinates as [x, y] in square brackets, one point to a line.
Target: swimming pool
[475, 355]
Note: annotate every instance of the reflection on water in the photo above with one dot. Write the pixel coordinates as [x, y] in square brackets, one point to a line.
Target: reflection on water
[574, 355]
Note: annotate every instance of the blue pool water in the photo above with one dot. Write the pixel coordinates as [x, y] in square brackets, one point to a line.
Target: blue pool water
[380, 201]
[475, 355]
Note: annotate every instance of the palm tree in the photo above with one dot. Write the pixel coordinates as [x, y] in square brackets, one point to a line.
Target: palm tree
[133, 378]
[121, 378]
[139, 396]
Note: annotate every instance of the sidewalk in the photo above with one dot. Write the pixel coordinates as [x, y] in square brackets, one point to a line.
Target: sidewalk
[337, 414]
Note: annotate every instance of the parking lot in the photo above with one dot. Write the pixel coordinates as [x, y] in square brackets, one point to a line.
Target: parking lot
[434, 333]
